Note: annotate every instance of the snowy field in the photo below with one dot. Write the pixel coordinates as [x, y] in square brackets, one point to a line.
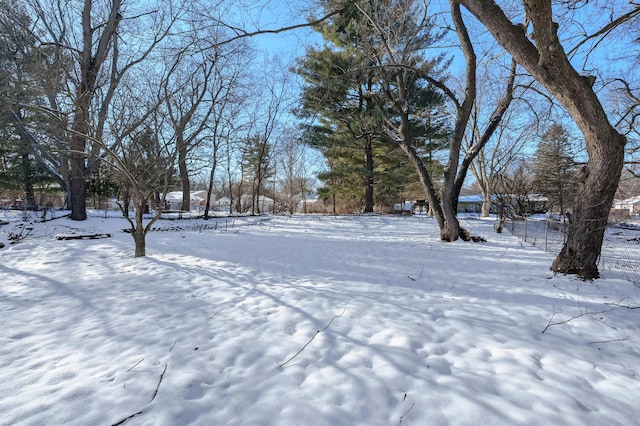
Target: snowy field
[315, 320]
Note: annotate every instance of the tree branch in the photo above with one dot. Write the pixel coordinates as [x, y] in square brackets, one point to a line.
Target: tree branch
[311, 340]
[240, 33]
[607, 28]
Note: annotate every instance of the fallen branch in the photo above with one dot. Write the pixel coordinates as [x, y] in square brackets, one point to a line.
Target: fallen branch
[127, 418]
[550, 324]
[407, 412]
[155, 393]
[610, 341]
[311, 340]
[159, 382]
[135, 365]
[619, 305]
[83, 237]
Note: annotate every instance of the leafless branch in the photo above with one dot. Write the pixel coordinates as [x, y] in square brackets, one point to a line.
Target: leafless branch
[609, 27]
[407, 412]
[581, 314]
[241, 33]
[122, 421]
[311, 340]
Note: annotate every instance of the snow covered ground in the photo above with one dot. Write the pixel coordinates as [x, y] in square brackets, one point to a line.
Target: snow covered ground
[308, 320]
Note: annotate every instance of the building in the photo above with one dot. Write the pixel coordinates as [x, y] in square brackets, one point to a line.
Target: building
[630, 206]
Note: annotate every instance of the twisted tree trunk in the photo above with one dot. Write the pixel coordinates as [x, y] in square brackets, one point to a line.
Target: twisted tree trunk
[545, 59]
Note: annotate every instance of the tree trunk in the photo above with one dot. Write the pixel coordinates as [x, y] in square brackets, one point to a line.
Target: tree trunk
[368, 179]
[598, 184]
[486, 204]
[210, 188]
[449, 198]
[184, 177]
[547, 62]
[425, 181]
[29, 196]
[126, 200]
[138, 233]
[451, 229]
[77, 162]
[77, 184]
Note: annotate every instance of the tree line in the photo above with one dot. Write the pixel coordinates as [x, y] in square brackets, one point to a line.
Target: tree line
[400, 95]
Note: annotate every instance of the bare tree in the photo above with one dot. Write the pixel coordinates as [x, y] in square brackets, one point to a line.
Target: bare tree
[513, 186]
[229, 94]
[264, 131]
[294, 178]
[542, 54]
[189, 109]
[492, 162]
[90, 32]
[138, 151]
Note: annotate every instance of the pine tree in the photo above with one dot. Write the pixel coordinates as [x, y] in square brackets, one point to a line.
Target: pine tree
[342, 94]
[23, 65]
[555, 169]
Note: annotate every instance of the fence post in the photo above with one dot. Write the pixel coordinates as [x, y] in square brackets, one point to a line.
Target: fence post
[525, 229]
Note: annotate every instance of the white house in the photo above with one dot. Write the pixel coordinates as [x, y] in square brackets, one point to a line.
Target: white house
[223, 204]
[307, 203]
[173, 201]
[405, 207]
[630, 205]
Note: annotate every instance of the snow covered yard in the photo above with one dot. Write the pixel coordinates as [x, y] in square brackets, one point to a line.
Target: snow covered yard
[308, 320]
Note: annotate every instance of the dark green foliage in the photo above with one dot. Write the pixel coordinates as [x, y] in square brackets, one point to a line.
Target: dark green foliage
[555, 169]
[30, 78]
[344, 97]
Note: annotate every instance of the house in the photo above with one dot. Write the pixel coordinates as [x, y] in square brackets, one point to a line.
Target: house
[223, 204]
[517, 203]
[470, 203]
[173, 201]
[307, 203]
[630, 205]
[405, 207]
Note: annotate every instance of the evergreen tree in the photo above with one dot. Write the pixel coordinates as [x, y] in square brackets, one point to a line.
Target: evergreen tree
[555, 169]
[346, 122]
[23, 66]
[342, 94]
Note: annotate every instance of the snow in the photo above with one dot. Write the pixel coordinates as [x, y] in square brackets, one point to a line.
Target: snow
[307, 320]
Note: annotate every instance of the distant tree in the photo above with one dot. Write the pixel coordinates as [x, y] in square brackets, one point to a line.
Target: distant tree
[346, 122]
[264, 130]
[257, 164]
[101, 185]
[293, 177]
[555, 170]
[229, 95]
[19, 172]
[513, 188]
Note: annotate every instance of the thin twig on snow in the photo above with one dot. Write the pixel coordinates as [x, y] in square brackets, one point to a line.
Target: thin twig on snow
[310, 340]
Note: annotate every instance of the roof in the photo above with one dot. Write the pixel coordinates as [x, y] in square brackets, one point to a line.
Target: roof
[177, 196]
